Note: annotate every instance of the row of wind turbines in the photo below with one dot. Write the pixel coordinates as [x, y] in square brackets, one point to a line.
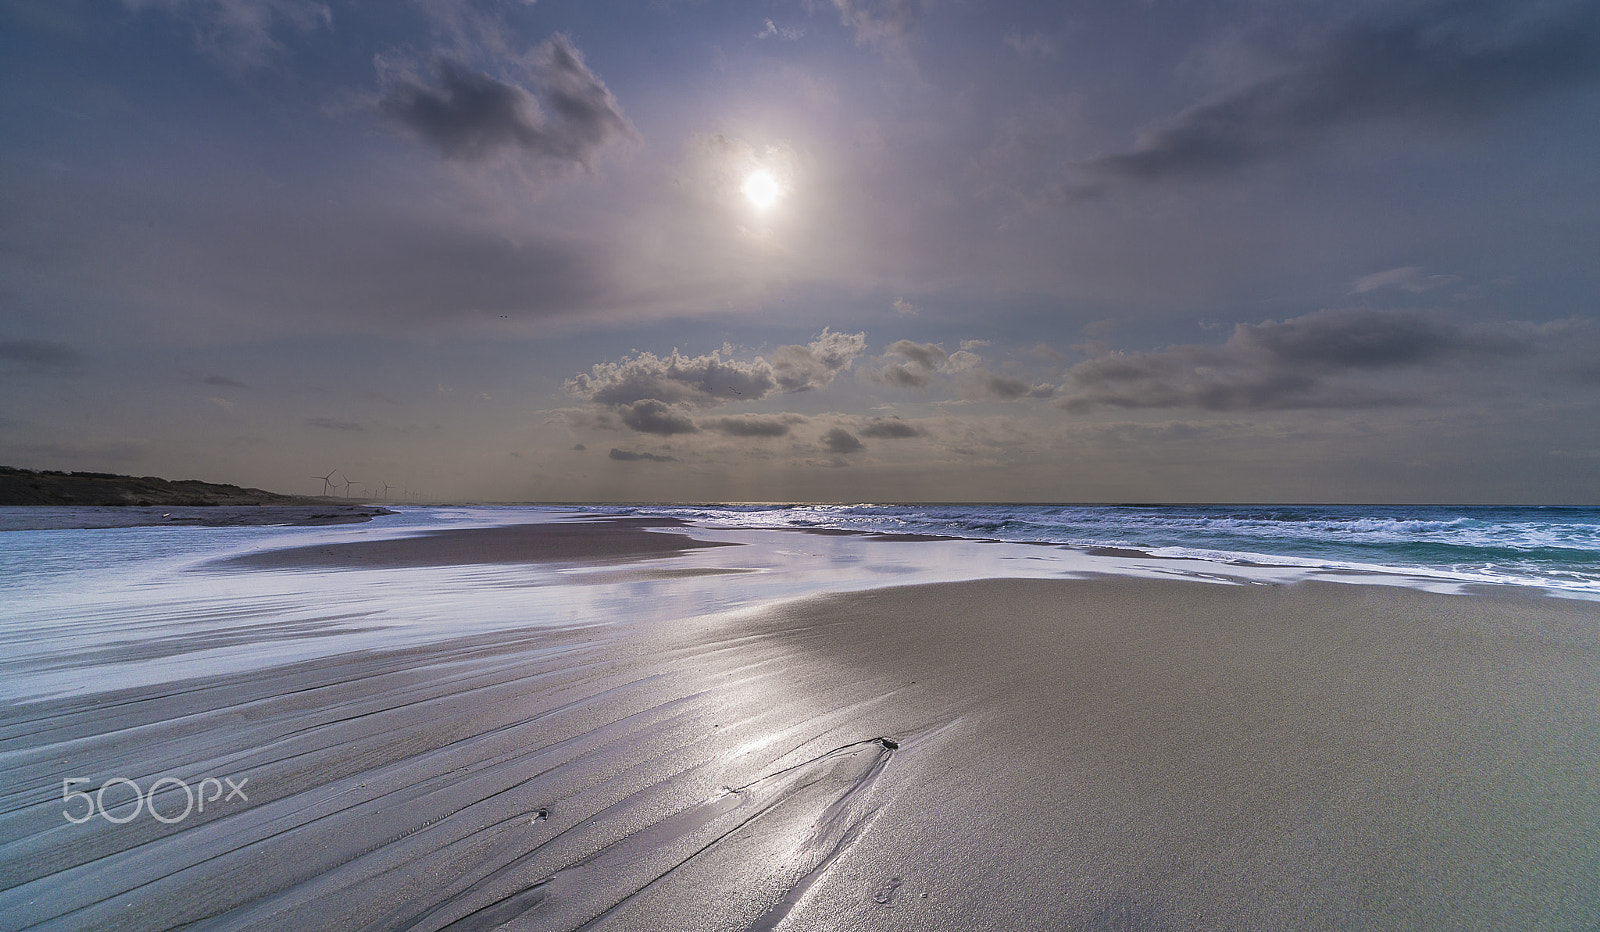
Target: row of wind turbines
[329, 483]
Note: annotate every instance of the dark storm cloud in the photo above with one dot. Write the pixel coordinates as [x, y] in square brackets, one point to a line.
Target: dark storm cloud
[839, 440]
[328, 423]
[469, 115]
[888, 428]
[629, 456]
[754, 425]
[1282, 365]
[1455, 62]
[880, 20]
[715, 378]
[40, 356]
[654, 417]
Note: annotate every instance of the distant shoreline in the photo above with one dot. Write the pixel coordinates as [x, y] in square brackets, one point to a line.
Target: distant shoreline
[37, 500]
[85, 517]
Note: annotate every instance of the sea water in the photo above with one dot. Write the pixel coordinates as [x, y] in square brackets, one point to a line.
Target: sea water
[1553, 548]
[95, 610]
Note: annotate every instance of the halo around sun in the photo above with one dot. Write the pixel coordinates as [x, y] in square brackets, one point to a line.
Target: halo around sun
[762, 189]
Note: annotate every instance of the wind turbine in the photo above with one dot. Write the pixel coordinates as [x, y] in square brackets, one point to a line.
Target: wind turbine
[386, 490]
[348, 482]
[326, 482]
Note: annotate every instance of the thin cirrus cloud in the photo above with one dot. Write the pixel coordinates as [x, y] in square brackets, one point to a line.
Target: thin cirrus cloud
[567, 117]
[1283, 365]
[880, 21]
[328, 423]
[241, 34]
[1447, 64]
[1414, 279]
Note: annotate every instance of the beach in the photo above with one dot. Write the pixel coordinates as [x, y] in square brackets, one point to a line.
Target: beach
[681, 737]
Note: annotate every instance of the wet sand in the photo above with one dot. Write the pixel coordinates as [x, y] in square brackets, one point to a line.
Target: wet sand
[604, 540]
[1098, 754]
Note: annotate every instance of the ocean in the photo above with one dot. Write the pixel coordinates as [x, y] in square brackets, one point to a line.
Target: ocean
[109, 608]
[1553, 548]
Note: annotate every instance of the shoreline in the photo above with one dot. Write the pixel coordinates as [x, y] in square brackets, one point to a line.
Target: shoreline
[617, 739]
[98, 517]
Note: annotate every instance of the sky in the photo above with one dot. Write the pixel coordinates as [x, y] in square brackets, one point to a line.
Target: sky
[807, 250]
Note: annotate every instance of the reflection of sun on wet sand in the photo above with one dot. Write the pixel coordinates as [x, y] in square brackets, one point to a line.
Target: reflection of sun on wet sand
[1102, 754]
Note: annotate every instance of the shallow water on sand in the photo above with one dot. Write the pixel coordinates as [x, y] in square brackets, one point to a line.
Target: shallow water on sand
[102, 609]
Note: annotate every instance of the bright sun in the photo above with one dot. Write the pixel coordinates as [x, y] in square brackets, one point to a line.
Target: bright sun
[761, 189]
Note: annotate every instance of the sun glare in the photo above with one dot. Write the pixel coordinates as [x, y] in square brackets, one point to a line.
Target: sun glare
[761, 189]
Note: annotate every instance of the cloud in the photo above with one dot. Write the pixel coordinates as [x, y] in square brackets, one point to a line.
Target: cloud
[1281, 365]
[839, 440]
[1010, 389]
[40, 356]
[716, 378]
[702, 381]
[754, 425]
[880, 21]
[801, 368]
[1455, 67]
[925, 355]
[1031, 45]
[922, 360]
[786, 33]
[962, 360]
[469, 115]
[654, 417]
[1407, 278]
[889, 428]
[905, 376]
[629, 456]
[239, 34]
[328, 423]
[904, 308]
